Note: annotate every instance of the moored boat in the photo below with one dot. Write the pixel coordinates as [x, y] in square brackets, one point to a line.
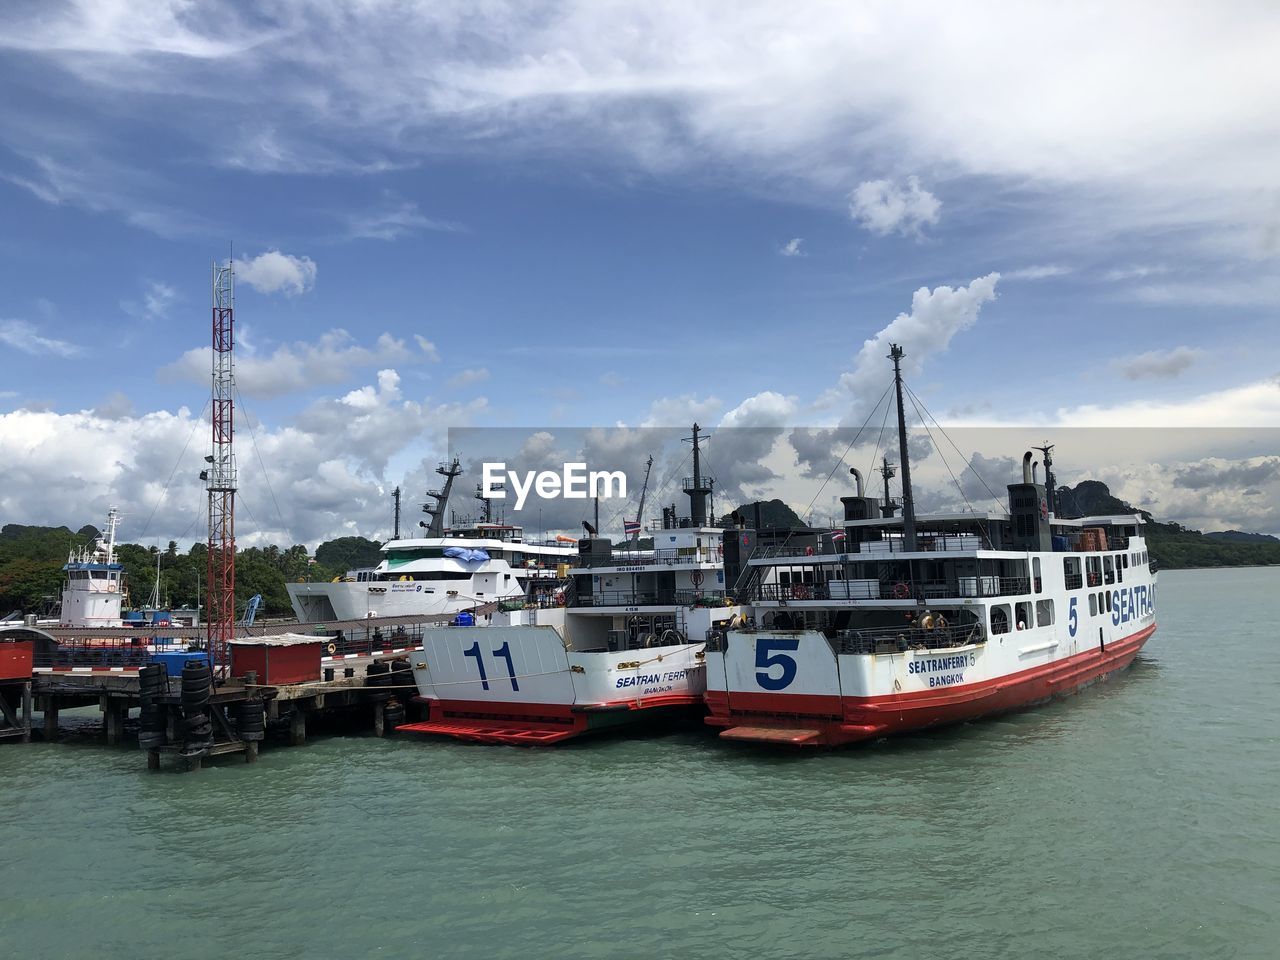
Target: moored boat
[902, 623]
[626, 646]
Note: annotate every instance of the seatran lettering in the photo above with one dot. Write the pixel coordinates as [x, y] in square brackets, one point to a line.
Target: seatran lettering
[1132, 603]
[650, 679]
[933, 664]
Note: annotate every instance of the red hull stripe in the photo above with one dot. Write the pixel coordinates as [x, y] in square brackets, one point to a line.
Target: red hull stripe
[486, 721]
[836, 720]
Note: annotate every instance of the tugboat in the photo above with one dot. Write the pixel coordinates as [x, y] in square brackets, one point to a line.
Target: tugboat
[902, 622]
[94, 589]
[627, 646]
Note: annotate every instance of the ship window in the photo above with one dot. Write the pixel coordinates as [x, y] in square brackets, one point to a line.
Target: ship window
[1024, 615]
[1044, 613]
[1000, 618]
[1093, 604]
[1108, 570]
[1035, 573]
[1108, 596]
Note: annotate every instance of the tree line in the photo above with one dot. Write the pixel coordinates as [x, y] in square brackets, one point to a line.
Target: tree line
[32, 557]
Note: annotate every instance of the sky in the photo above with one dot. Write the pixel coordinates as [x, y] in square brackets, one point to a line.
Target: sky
[547, 216]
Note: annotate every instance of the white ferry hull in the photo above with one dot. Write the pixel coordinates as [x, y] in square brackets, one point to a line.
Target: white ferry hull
[794, 686]
[520, 685]
[322, 602]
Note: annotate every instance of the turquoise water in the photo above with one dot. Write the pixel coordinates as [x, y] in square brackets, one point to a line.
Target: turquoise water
[1141, 819]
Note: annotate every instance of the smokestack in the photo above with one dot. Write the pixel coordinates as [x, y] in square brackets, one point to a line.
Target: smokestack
[857, 477]
[1026, 467]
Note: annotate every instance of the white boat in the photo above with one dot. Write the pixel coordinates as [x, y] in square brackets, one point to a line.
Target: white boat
[448, 571]
[626, 647]
[94, 588]
[912, 622]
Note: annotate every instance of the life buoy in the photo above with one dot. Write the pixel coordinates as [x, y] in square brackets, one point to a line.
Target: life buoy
[927, 621]
[332, 648]
[941, 622]
[901, 591]
[808, 551]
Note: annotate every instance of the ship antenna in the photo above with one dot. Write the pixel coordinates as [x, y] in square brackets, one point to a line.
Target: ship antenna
[908, 504]
[395, 495]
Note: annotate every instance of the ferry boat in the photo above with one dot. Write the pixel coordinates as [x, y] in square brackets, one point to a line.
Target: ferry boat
[94, 589]
[627, 646]
[900, 623]
[450, 570]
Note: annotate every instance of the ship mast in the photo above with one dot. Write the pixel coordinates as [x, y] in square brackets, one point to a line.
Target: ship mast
[908, 505]
[441, 497]
[1050, 484]
[697, 487]
[644, 488]
[395, 495]
[888, 473]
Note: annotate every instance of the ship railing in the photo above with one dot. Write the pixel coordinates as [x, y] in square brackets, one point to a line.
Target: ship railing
[637, 558]
[365, 642]
[902, 639]
[650, 598]
[925, 543]
[875, 639]
[962, 587]
[113, 652]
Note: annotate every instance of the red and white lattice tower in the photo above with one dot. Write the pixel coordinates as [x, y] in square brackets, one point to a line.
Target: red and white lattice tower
[221, 612]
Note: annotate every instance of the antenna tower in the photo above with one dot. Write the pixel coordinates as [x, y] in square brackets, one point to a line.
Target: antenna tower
[221, 477]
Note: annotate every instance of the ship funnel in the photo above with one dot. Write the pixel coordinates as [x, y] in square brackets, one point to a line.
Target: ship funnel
[1035, 470]
[857, 478]
[1026, 467]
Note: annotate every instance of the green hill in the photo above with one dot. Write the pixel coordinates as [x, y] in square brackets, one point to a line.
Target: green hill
[773, 514]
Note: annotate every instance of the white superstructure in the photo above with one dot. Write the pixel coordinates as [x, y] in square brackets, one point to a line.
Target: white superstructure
[94, 589]
[463, 569]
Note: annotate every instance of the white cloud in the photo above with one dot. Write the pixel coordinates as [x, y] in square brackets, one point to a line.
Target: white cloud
[469, 376]
[883, 207]
[1136, 272]
[681, 411]
[936, 316]
[764, 96]
[273, 271]
[1037, 272]
[428, 348]
[326, 469]
[23, 335]
[301, 366]
[1158, 364]
[767, 409]
[157, 299]
[393, 219]
[792, 248]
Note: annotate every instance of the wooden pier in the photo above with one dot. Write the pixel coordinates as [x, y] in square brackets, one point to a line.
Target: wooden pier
[366, 682]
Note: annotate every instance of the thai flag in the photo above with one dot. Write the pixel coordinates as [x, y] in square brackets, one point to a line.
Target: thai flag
[837, 536]
[631, 528]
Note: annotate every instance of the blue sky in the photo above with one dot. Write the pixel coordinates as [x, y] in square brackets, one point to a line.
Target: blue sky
[587, 214]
